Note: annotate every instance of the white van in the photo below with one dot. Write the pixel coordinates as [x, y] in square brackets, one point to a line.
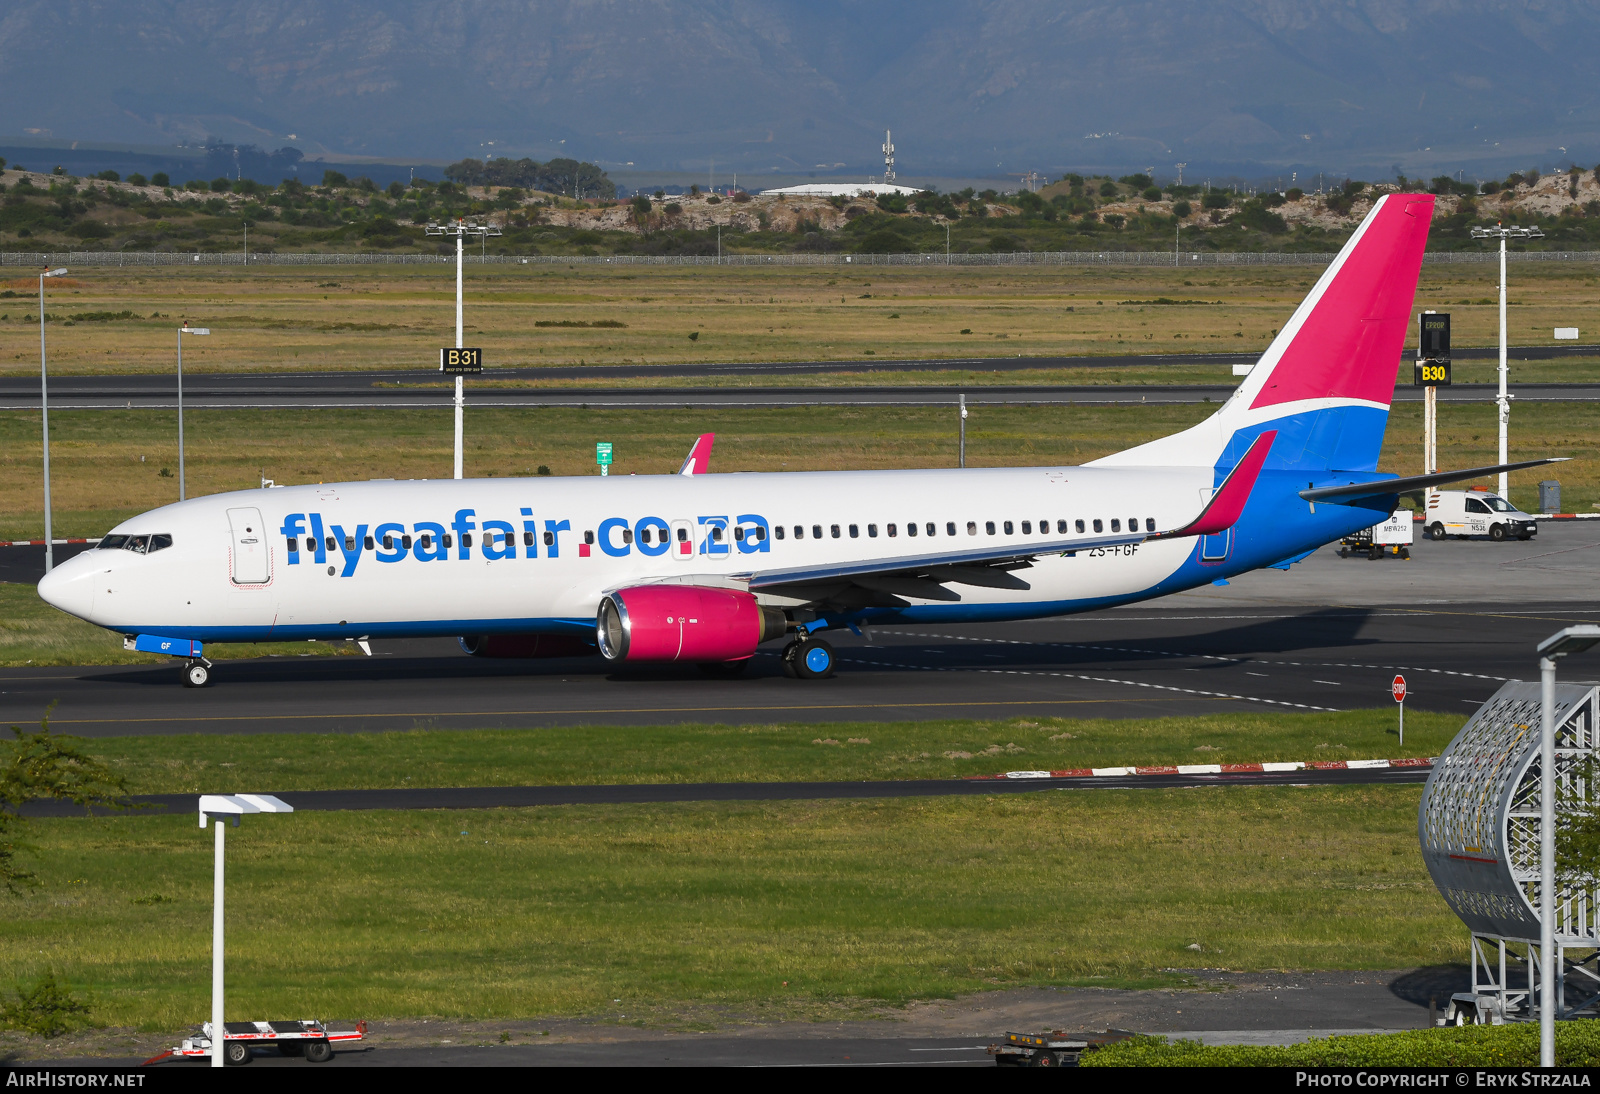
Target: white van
[1476, 513]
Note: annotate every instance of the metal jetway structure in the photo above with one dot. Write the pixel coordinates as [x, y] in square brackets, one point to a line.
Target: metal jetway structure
[1479, 825]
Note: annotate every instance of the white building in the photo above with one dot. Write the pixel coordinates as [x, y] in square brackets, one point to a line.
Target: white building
[841, 190]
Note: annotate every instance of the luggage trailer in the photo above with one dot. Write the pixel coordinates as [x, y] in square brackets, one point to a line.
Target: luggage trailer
[310, 1039]
[1057, 1048]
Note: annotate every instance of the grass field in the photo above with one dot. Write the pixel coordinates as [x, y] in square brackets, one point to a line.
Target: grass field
[776, 752]
[289, 318]
[107, 464]
[802, 908]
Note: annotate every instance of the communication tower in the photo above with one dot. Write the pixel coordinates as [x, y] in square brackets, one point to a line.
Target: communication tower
[888, 159]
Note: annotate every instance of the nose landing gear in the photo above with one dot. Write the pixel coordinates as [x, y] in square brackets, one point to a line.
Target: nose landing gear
[196, 673]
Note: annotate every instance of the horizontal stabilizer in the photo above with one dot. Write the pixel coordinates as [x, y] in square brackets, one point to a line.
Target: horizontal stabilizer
[1377, 488]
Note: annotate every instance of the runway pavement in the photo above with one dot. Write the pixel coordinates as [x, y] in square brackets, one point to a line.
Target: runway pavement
[1457, 620]
[587, 386]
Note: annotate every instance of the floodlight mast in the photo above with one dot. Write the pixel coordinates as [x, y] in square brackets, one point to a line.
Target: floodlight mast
[460, 230]
[44, 410]
[1502, 233]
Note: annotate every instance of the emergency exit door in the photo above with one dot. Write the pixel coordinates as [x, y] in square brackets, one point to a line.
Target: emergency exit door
[252, 565]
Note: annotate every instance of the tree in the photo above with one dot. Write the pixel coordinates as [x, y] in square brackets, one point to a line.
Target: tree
[333, 179]
[37, 766]
[160, 178]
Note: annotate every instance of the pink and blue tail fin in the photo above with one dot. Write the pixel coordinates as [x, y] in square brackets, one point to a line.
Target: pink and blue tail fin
[1326, 381]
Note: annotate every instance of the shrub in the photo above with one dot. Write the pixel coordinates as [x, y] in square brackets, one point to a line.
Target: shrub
[740, 197]
[1139, 181]
[109, 176]
[47, 1010]
[160, 178]
[1492, 187]
[1294, 193]
[1108, 189]
[1181, 209]
[694, 336]
[199, 186]
[1216, 199]
[673, 208]
[1116, 220]
[1517, 1045]
[334, 180]
[544, 469]
[713, 200]
[1152, 193]
[221, 185]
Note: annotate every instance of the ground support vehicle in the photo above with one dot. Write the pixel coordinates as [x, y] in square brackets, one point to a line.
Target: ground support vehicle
[1057, 1048]
[307, 1038]
[1392, 537]
[1476, 513]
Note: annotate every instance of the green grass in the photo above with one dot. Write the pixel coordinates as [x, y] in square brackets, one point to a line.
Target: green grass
[571, 755]
[1577, 1045]
[628, 910]
[34, 633]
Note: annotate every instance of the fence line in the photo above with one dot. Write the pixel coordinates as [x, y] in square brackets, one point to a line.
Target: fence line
[1025, 258]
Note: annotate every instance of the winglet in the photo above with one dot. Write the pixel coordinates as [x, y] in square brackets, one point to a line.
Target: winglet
[698, 462]
[1223, 511]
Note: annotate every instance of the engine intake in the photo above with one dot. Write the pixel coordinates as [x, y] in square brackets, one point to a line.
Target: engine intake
[683, 623]
[527, 645]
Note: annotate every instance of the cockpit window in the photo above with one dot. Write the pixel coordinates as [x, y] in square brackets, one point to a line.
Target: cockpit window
[142, 545]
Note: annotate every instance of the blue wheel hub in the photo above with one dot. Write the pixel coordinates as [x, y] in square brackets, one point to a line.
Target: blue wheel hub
[817, 659]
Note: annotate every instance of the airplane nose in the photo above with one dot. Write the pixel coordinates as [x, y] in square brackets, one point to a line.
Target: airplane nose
[69, 587]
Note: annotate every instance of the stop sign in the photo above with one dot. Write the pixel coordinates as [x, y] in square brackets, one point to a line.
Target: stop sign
[1398, 688]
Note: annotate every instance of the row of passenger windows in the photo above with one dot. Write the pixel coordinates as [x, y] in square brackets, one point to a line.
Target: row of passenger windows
[950, 528]
[648, 535]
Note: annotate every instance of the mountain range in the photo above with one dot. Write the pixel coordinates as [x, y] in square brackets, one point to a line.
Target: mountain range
[1361, 87]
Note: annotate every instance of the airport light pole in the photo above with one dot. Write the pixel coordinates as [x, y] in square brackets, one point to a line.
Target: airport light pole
[1558, 645]
[1502, 233]
[218, 807]
[183, 330]
[44, 410]
[460, 230]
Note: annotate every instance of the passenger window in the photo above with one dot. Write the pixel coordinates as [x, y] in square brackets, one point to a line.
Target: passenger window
[683, 535]
[738, 534]
[527, 540]
[1116, 525]
[1027, 528]
[627, 535]
[872, 531]
[1061, 526]
[294, 546]
[761, 535]
[799, 531]
[349, 543]
[834, 529]
[549, 539]
[427, 541]
[466, 539]
[855, 532]
[1079, 526]
[779, 529]
[1149, 524]
[388, 543]
[716, 535]
[1008, 528]
[988, 526]
[1098, 527]
[367, 543]
[893, 530]
[588, 537]
[449, 540]
[972, 528]
[911, 529]
[311, 544]
[1476, 506]
[405, 542]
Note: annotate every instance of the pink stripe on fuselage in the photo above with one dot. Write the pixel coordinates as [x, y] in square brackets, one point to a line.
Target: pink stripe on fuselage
[1349, 346]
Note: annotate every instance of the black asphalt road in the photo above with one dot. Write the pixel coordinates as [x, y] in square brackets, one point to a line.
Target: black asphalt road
[1124, 663]
[518, 797]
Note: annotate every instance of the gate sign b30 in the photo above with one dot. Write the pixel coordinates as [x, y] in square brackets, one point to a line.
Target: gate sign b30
[459, 360]
[1398, 688]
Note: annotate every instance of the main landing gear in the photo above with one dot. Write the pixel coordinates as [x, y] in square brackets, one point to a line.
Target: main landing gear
[196, 673]
[808, 659]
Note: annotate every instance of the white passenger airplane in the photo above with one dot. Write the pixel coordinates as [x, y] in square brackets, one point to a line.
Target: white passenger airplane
[704, 568]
